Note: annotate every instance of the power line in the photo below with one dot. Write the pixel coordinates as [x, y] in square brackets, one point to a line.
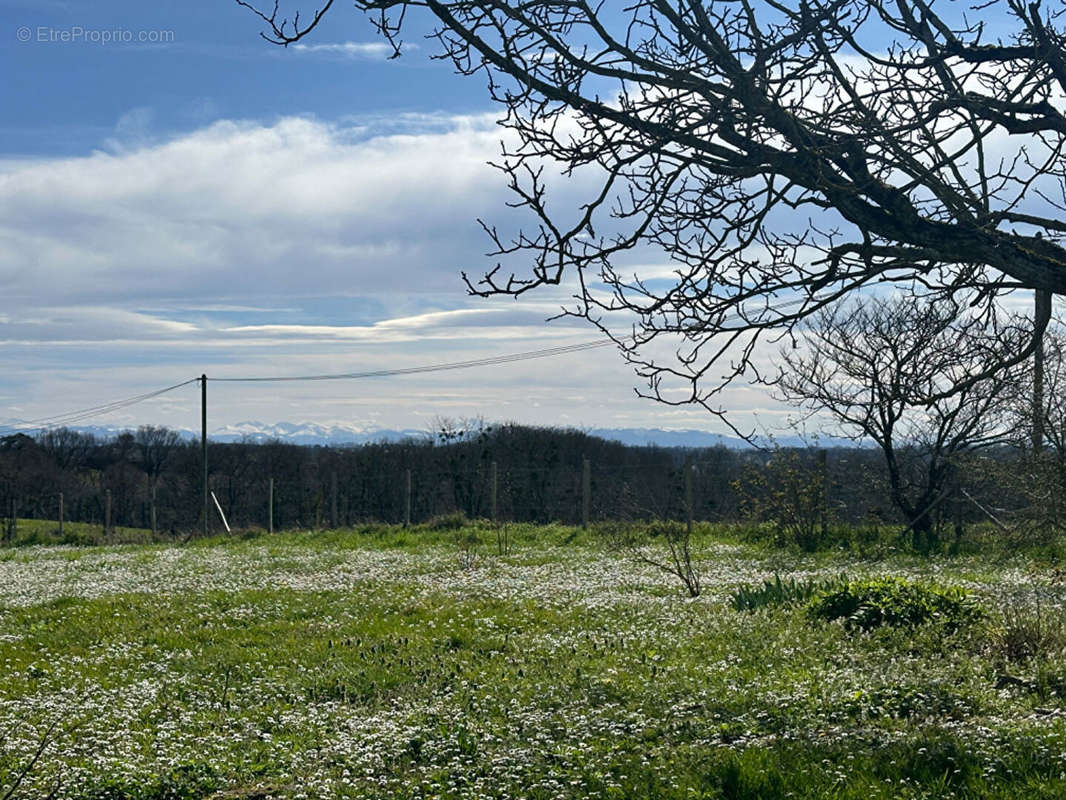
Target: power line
[83, 414]
[80, 415]
[70, 417]
[444, 367]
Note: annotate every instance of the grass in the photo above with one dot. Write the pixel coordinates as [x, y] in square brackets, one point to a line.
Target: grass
[34, 532]
[31, 532]
[778, 592]
[371, 663]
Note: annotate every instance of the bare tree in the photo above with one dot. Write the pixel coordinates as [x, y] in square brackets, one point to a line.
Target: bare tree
[780, 155]
[155, 446]
[872, 368]
[71, 449]
[12, 778]
[1051, 397]
[663, 544]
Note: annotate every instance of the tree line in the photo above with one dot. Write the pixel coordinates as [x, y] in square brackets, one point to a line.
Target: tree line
[539, 477]
[153, 475]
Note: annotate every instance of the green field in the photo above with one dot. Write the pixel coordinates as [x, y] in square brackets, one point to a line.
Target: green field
[42, 531]
[391, 663]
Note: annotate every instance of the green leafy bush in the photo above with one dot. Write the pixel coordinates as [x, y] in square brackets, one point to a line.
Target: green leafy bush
[789, 494]
[78, 537]
[868, 604]
[777, 592]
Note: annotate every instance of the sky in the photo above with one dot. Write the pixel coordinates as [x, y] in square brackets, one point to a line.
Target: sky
[178, 196]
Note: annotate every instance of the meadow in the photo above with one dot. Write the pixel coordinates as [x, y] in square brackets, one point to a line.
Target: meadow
[418, 663]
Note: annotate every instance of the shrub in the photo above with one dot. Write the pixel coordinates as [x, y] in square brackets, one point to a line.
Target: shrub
[80, 538]
[777, 592]
[454, 521]
[467, 542]
[789, 493]
[662, 544]
[868, 604]
[1035, 485]
[1028, 631]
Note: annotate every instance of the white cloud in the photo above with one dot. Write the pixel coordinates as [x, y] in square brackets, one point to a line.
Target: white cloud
[239, 209]
[298, 247]
[352, 50]
[489, 324]
[90, 324]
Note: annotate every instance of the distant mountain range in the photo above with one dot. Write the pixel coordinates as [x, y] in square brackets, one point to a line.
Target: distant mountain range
[312, 433]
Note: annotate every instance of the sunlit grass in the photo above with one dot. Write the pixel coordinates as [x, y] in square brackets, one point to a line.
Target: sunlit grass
[29, 532]
[369, 663]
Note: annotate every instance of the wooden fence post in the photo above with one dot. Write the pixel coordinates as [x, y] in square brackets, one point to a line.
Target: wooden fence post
[61, 515]
[152, 508]
[688, 494]
[956, 513]
[407, 501]
[823, 477]
[492, 491]
[333, 501]
[586, 491]
[107, 513]
[270, 507]
[13, 527]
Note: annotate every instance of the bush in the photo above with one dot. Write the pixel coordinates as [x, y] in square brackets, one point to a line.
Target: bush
[454, 521]
[869, 604]
[80, 538]
[467, 542]
[789, 493]
[662, 544]
[777, 592]
[1034, 486]
[1027, 631]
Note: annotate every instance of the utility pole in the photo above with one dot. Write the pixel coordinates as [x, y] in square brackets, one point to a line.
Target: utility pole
[203, 448]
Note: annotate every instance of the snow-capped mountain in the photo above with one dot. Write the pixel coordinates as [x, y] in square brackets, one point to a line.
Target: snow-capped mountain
[310, 433]
[313, 433]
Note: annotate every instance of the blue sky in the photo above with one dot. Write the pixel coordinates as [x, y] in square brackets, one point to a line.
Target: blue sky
[195, 199]
[179, 196]
[68, 97]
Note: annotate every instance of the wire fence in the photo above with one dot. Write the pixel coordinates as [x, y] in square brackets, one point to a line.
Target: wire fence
[257, 487]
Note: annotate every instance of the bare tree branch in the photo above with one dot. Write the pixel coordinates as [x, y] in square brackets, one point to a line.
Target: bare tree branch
[778, 157]
[916, 380]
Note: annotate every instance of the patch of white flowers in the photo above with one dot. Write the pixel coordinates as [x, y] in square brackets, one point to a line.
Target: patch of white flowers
[468, 737]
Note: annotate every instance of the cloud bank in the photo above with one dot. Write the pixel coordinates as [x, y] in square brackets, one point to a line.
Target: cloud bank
[298, 246]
